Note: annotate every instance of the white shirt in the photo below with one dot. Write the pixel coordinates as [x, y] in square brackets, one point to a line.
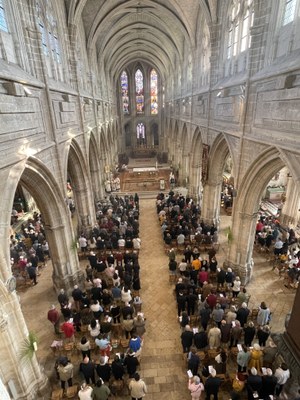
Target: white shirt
[282, 375]
[85, 394]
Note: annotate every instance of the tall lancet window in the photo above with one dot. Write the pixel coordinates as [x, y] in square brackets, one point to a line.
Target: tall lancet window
[125, 93]
[139, 92]
[153, 86]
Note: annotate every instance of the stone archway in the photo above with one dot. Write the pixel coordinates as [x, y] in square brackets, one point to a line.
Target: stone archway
[246, 207]
[25, 375]
[213, 186]
[78, 173]
[38, 181]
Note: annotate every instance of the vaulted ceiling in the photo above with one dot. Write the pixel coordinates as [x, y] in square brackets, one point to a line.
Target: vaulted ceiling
[156, 31]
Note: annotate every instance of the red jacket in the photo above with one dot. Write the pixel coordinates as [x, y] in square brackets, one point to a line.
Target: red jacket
[53, 316]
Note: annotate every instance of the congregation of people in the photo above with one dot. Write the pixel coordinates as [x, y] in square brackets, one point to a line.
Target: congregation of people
[225, 342]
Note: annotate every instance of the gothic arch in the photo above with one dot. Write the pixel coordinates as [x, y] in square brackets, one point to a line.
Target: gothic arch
[212, 187]
[77, 171]
[38, 180]
[249, 194]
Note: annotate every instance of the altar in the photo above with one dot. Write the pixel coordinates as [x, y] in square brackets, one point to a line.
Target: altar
[145, 169]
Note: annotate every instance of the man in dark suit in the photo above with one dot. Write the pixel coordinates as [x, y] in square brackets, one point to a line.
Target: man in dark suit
[187, 339]
[212, 385]
[254, 384]
[269, 383]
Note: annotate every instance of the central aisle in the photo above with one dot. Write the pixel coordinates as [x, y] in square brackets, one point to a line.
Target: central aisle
[162, 363]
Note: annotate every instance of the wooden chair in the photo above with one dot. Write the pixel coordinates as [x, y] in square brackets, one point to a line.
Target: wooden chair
[124, 343]
[117, 387]
[72, 392]
[57, 394]
[68, 349]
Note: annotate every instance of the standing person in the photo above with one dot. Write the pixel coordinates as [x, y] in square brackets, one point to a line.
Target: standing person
[214, 337]
[131, 362]
[254, 384]
[242, 314]
[256, 355]
[100, 391]
[77, 297]
[236, 288]
[195, 387]
[269, 382]
[217, 314]
[262, 334]
[54, 317]
[65, 372]
[212, 385]
[282, 374]
[249, 333]
[31, 270]
[137, 387]
[187, 339]
[87, 368]
[193, 361]
[263, 315]
[243, 359]
[117, 368]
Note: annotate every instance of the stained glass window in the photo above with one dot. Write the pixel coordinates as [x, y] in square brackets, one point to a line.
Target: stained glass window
[139, 92]
[153, 88]
[3, 22]
[125, 93]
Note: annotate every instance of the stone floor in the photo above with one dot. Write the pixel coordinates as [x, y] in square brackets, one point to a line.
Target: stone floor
[162, 365]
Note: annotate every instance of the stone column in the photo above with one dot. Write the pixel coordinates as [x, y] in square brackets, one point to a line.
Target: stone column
[241, 245]
[290, 210]
[66, 268]
[85, 208]
[22, 377]
[210, 211]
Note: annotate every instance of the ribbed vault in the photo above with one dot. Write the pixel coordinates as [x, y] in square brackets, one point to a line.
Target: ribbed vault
[158, 32]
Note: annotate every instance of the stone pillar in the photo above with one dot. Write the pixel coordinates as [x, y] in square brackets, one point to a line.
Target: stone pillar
[85, 208]
[66, 268]
[210, 211]
[241, 245]
[290, 209]
[195, 180]
[22, 377]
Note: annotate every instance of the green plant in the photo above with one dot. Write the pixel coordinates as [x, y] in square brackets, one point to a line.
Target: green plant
[74, 245]
[28, 346]
[228, 233]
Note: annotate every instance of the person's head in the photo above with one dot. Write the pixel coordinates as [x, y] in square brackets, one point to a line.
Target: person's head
[229, 270]
[256, 346]
[83, 340]
[117, 359]
[102, 360]
[86, 360]
[263, 305]
[196, 380]
[187, 328]
[284, 367]
[250, 324]
[53, 307]
[253, 371]
[269, 372]
[99, 383]
[93, 323]
[244, 305]
[136, 376]
[266, 328]
[218, 306]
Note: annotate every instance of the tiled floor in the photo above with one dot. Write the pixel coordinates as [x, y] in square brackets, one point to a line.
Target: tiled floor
[162, 366]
